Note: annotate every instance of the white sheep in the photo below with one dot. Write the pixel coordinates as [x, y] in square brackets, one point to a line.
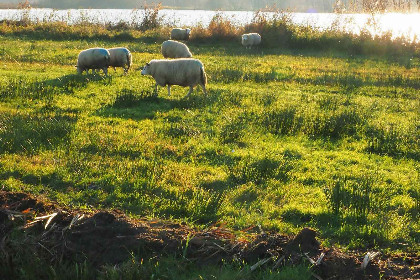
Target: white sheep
[174, 49]
[180, 34]
[120, 57]
[94, 58]
[182, 71]
[251, 39]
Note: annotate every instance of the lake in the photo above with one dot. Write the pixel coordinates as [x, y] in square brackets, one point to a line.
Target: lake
[398, 24]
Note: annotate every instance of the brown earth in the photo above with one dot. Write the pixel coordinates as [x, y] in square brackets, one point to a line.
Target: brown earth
[109, 237]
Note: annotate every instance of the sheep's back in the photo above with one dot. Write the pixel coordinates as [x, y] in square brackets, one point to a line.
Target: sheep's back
[95, 57]
[182, 72]
[174, 49]
[119, 57]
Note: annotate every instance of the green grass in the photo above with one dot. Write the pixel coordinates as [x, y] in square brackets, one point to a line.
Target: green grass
[166, 268]
[284, 140]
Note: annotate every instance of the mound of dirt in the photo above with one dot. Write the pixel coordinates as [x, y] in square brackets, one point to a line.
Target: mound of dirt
[109, 237]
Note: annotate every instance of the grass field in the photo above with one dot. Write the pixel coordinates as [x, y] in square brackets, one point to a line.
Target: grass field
[284, 140]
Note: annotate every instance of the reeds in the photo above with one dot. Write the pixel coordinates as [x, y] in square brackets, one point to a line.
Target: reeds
[276, 28]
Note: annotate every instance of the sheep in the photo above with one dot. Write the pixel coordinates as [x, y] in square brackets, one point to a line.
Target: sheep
[180, 34]
[182, 71]
[251, 39]
[94, 58]
[120, 57]
[174, 49]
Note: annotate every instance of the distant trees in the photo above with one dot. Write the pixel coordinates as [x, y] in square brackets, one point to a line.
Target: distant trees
[375, 6]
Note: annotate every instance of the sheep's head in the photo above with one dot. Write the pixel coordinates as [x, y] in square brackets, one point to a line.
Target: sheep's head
[188, 32]
[146, 69]
[245, 38]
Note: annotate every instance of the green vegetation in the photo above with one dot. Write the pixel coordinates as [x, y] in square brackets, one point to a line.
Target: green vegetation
[287, 138]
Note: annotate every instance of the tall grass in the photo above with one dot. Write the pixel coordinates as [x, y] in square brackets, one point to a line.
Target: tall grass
[277, 31]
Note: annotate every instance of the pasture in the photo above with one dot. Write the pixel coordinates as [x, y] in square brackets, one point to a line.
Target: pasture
[284, 140]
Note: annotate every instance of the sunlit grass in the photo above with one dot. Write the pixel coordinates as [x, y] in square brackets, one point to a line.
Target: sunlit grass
[278, 135]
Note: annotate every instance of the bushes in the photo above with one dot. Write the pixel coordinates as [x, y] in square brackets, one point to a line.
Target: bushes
[277, 30]
[220, 29]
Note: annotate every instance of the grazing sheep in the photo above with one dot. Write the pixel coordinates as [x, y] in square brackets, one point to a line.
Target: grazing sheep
[120, 57]
[174, 49]
[182, 71]
[94, 58]
[251, 39]
[180, 34]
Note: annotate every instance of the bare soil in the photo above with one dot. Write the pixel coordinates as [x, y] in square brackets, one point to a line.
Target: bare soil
[109, 237]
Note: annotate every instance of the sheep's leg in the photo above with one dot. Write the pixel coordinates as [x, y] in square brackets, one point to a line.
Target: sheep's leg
[203, 87]
[105, 69]
[169, 90]
[156, 89]
[189, 92]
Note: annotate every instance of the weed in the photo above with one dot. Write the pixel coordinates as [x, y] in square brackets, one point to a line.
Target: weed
[181, 129]
[260, 169]
[150, 18]
[282, 121]
[233, 130]
[392, 140]
[350, 197]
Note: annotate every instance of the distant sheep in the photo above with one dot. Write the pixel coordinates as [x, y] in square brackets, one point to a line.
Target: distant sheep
[120, 57]
[180, 34]
[94, 58]
[182, 71]
[251, 39]
[174, 49]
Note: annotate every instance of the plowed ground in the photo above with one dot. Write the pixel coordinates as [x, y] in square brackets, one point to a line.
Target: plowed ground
[110, 237]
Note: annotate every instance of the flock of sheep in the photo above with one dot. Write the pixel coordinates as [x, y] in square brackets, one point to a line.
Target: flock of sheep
[178, 67]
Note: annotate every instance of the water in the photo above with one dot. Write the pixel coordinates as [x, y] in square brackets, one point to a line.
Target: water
[407, 25]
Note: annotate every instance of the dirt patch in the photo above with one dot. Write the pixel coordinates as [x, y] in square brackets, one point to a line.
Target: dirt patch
[111, 238]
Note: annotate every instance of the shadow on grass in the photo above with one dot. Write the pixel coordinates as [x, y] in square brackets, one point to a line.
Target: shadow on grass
[28, 133]
[29, 88]
[53, 180]
[139, 105]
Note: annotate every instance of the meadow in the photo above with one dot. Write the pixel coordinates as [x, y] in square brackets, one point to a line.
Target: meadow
[286, 138]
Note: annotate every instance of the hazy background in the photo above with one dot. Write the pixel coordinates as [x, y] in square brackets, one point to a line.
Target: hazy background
[293, 5]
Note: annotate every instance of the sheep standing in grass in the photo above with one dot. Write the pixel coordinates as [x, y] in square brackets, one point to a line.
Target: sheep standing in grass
[180, 34]
[183, 72]
[251, 39]
[120, 57]
[94, 58]
[174, 49]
